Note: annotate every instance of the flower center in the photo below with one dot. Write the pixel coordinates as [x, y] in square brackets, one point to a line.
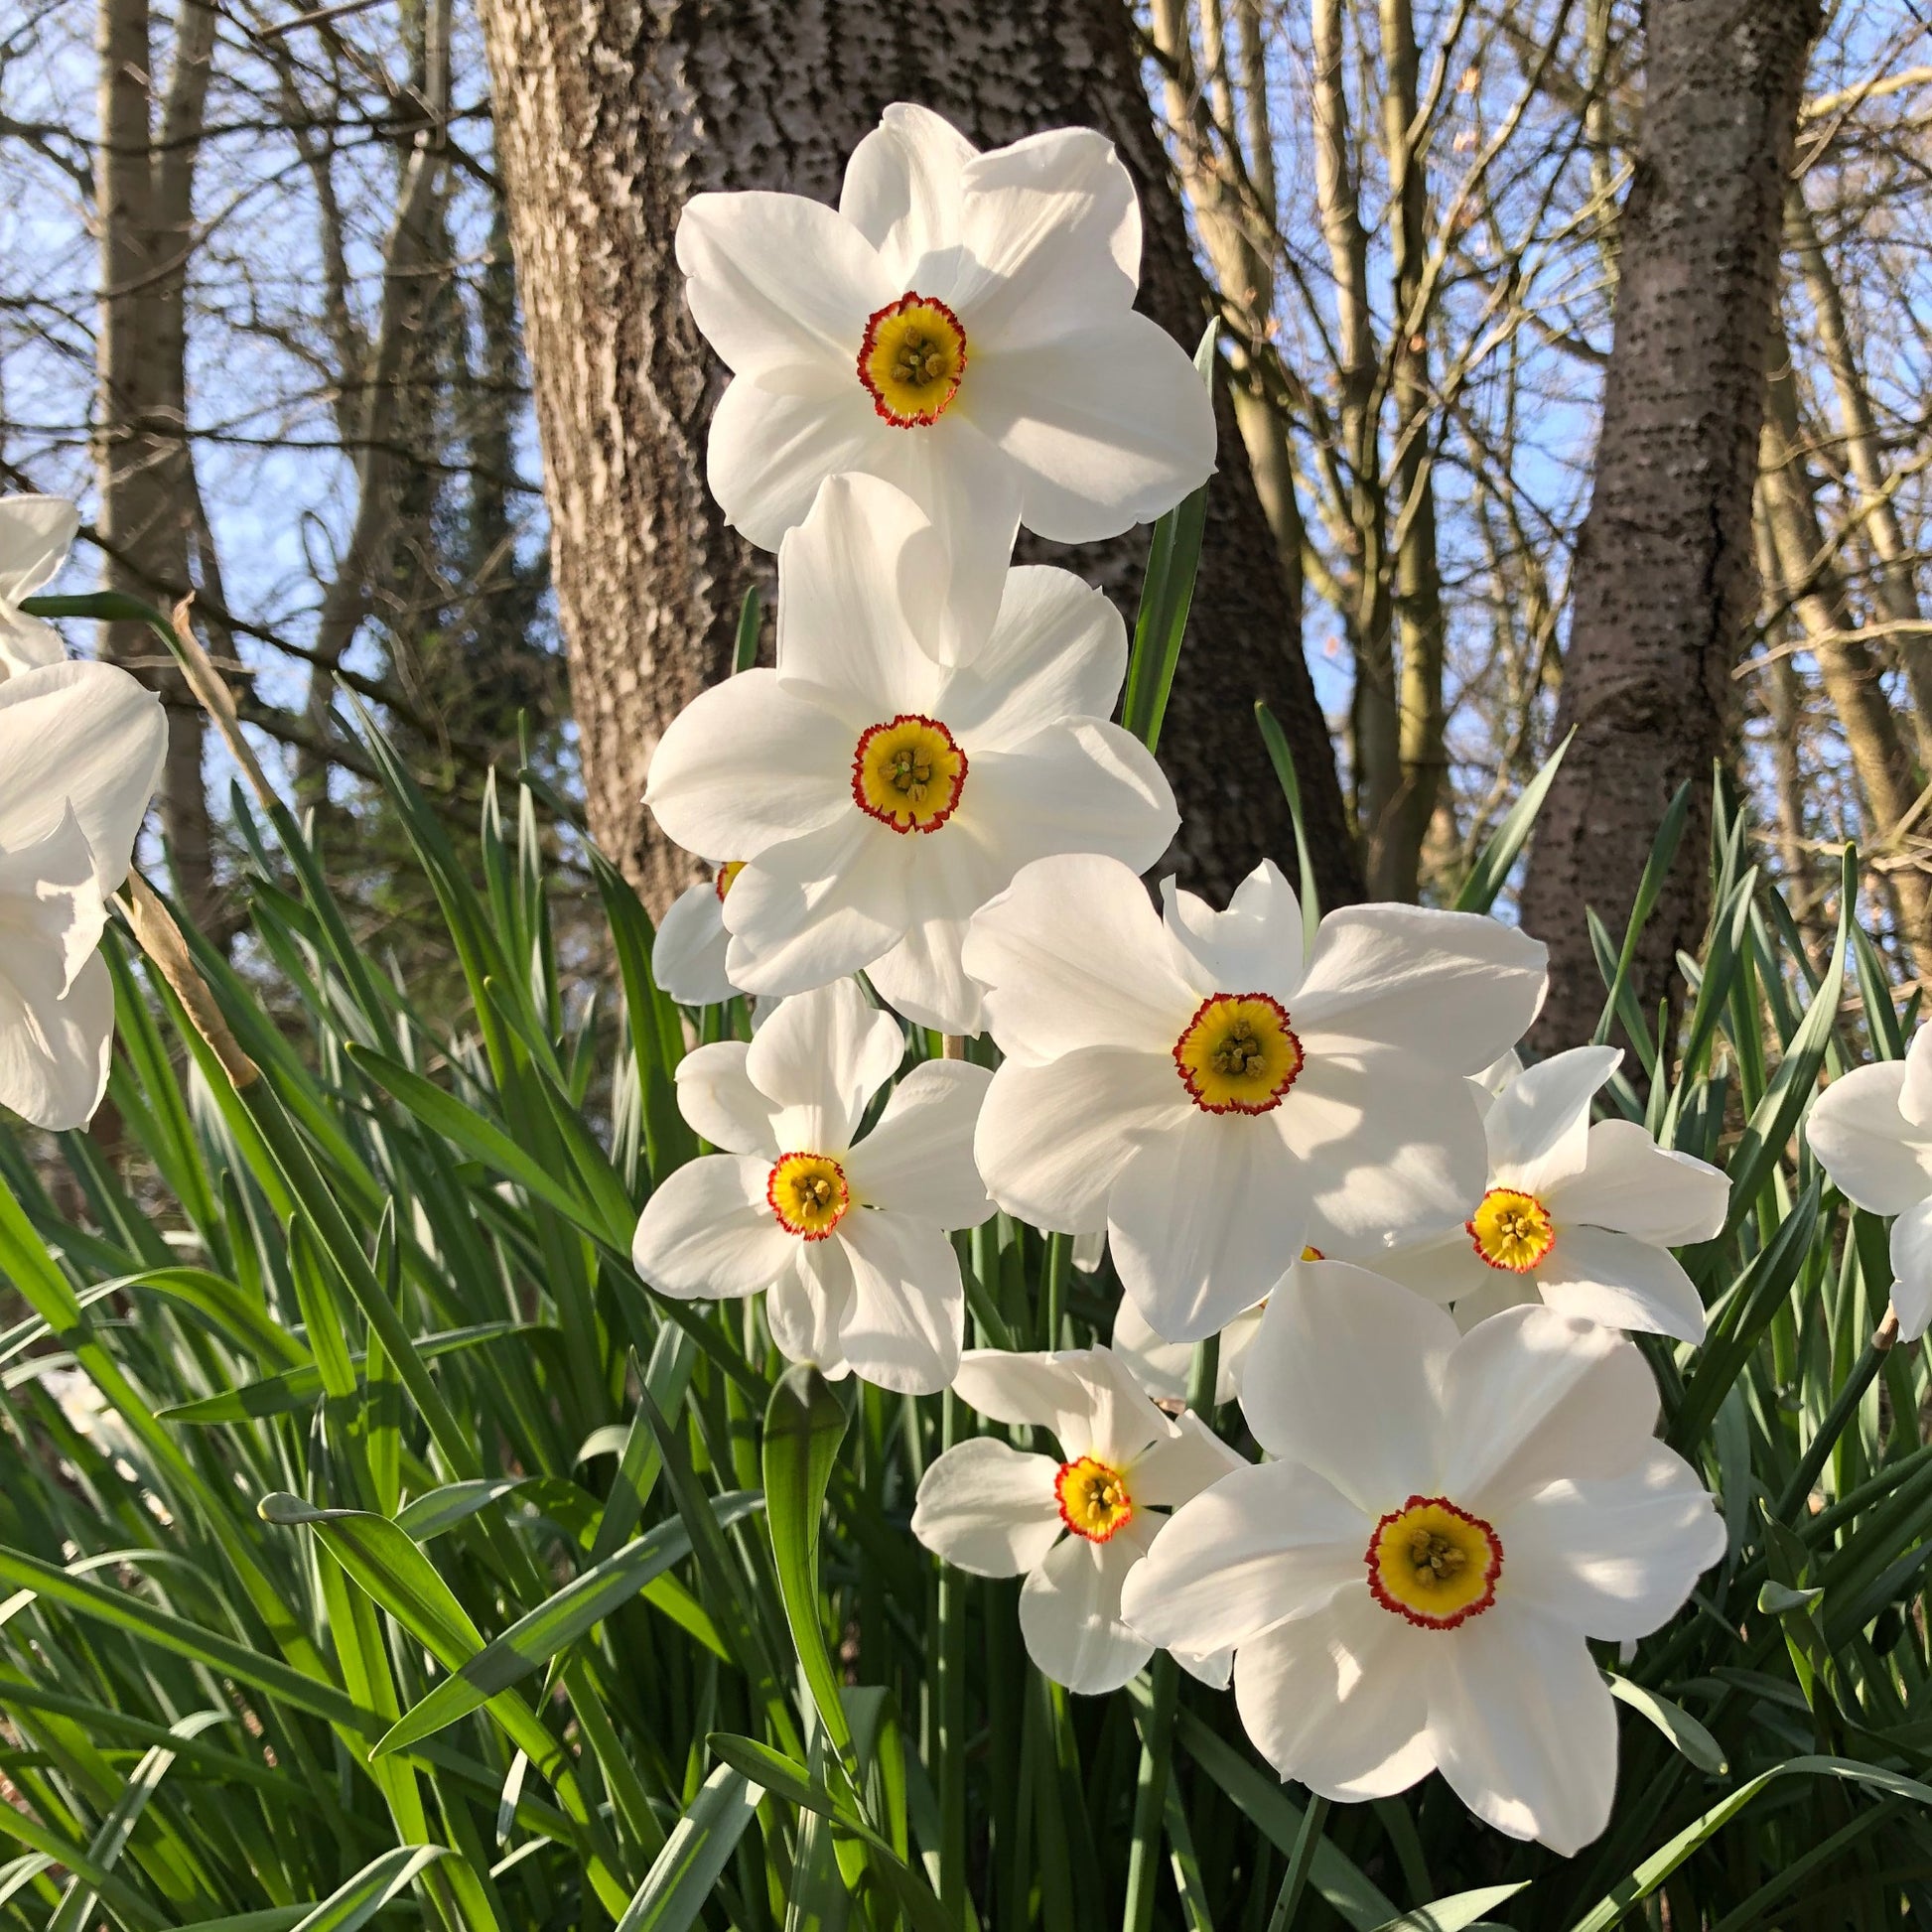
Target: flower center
[1433, 1563]
[1094, 1498]
[1511, 1230]
[911, 359]
[808, 1194]
[908, 773]
[727, 877]
[1239, 1054]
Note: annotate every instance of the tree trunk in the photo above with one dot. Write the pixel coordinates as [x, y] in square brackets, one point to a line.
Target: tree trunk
[146, 518]
[608, 116]
[1664, 587]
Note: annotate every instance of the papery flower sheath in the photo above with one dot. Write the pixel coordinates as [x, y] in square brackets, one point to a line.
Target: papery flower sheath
[961, 325]
[1871, 1131]
[80, 751]
[36, 533]
[1410, 1584]
[1578, 1216]
[848, 1234]
[1215, 1100]
[907, 755]
[1074, 1523]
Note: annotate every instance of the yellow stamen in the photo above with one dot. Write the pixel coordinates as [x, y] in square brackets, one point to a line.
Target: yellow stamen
[1512, 1230]
[808, 1194]
[1238, 1054]
[727, 877]
[912, 359]
[1094, 1498]
[908, 773]
[1433, 1563]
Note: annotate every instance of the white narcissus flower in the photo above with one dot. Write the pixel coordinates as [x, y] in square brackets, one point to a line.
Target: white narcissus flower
[961, 325]
[1410, 1586]
[1578, 1216]
[36, 533]
[1871, 1131]
[907, 757]
[1215, 1100]
[1076, 1523]
[687, 958]
[847, 1236]
[80, 751]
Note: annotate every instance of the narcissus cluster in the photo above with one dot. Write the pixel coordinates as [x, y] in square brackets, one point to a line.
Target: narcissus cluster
[1324, 1181]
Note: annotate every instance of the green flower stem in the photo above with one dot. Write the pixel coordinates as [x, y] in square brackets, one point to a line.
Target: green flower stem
[951, 1676]
[1838, 1416]
[1157, 1739]
[1052, 1300]
[1299, 1863]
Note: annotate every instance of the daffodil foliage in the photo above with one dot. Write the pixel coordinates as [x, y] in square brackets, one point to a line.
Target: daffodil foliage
[963, 1391]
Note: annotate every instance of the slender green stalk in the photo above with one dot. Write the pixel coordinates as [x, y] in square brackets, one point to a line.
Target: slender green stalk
[1300, 1863]
[1838, 1416]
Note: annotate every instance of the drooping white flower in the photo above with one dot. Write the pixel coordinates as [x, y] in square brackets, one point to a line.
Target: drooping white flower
[848, 1235]
[1871, 1131]
[1215, 1100]
[1578, 1216]
[907, 755]
[1074, 1523]
[36, 533]
[80, 751]
[961, 325]
[1410, 1586]
[687, 958]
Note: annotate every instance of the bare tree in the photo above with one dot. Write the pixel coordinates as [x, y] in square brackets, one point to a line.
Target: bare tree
[1665, 587]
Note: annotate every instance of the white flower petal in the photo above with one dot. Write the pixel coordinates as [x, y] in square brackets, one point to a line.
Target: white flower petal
[1107, 427]
[715, 1096]
[1214, 1668]
[1164, 1368]
[863, 612]
[26, 643]
[768, 451]
[1052, 1138]
[1177, 1467]
[1080, 786]
[1614, 1559]
[1058, 650]
[907, 1313]
[1443, 1269]
[819, 907]
[35, 534]
[1537, 1125]
[708, 1233]
[1531, 1397]
[1201, 1218]
[1072, 954]
[687, 958]
[1632, 1185]
[1621, 1281]
[1052, 237]
[1069, 1614]
[749, 763]
[1911, 1263]
[1263, 1545]
[1915, 1096]
[1454, 988]
[1338, 1701]
[81, 735]
[923, 976]
[989, 1508]
[775, 280]
[819, 1060]
[55, 1053]
[807, 1306]
[1343, 1378]
[52, 912]
[1524, 1728]
[1087, 1397]
[1389, 1146]
[1875, 1158]
[1255, 946]
[917, 1161]
[1501, 1291]
[902, 187]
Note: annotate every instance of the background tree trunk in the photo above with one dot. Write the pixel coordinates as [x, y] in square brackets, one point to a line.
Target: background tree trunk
[608, 116]
[1664, 587]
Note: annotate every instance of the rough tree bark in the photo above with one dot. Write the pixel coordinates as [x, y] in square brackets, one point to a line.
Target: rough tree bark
[608, 114]
[144, 192]
[1664, 586]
